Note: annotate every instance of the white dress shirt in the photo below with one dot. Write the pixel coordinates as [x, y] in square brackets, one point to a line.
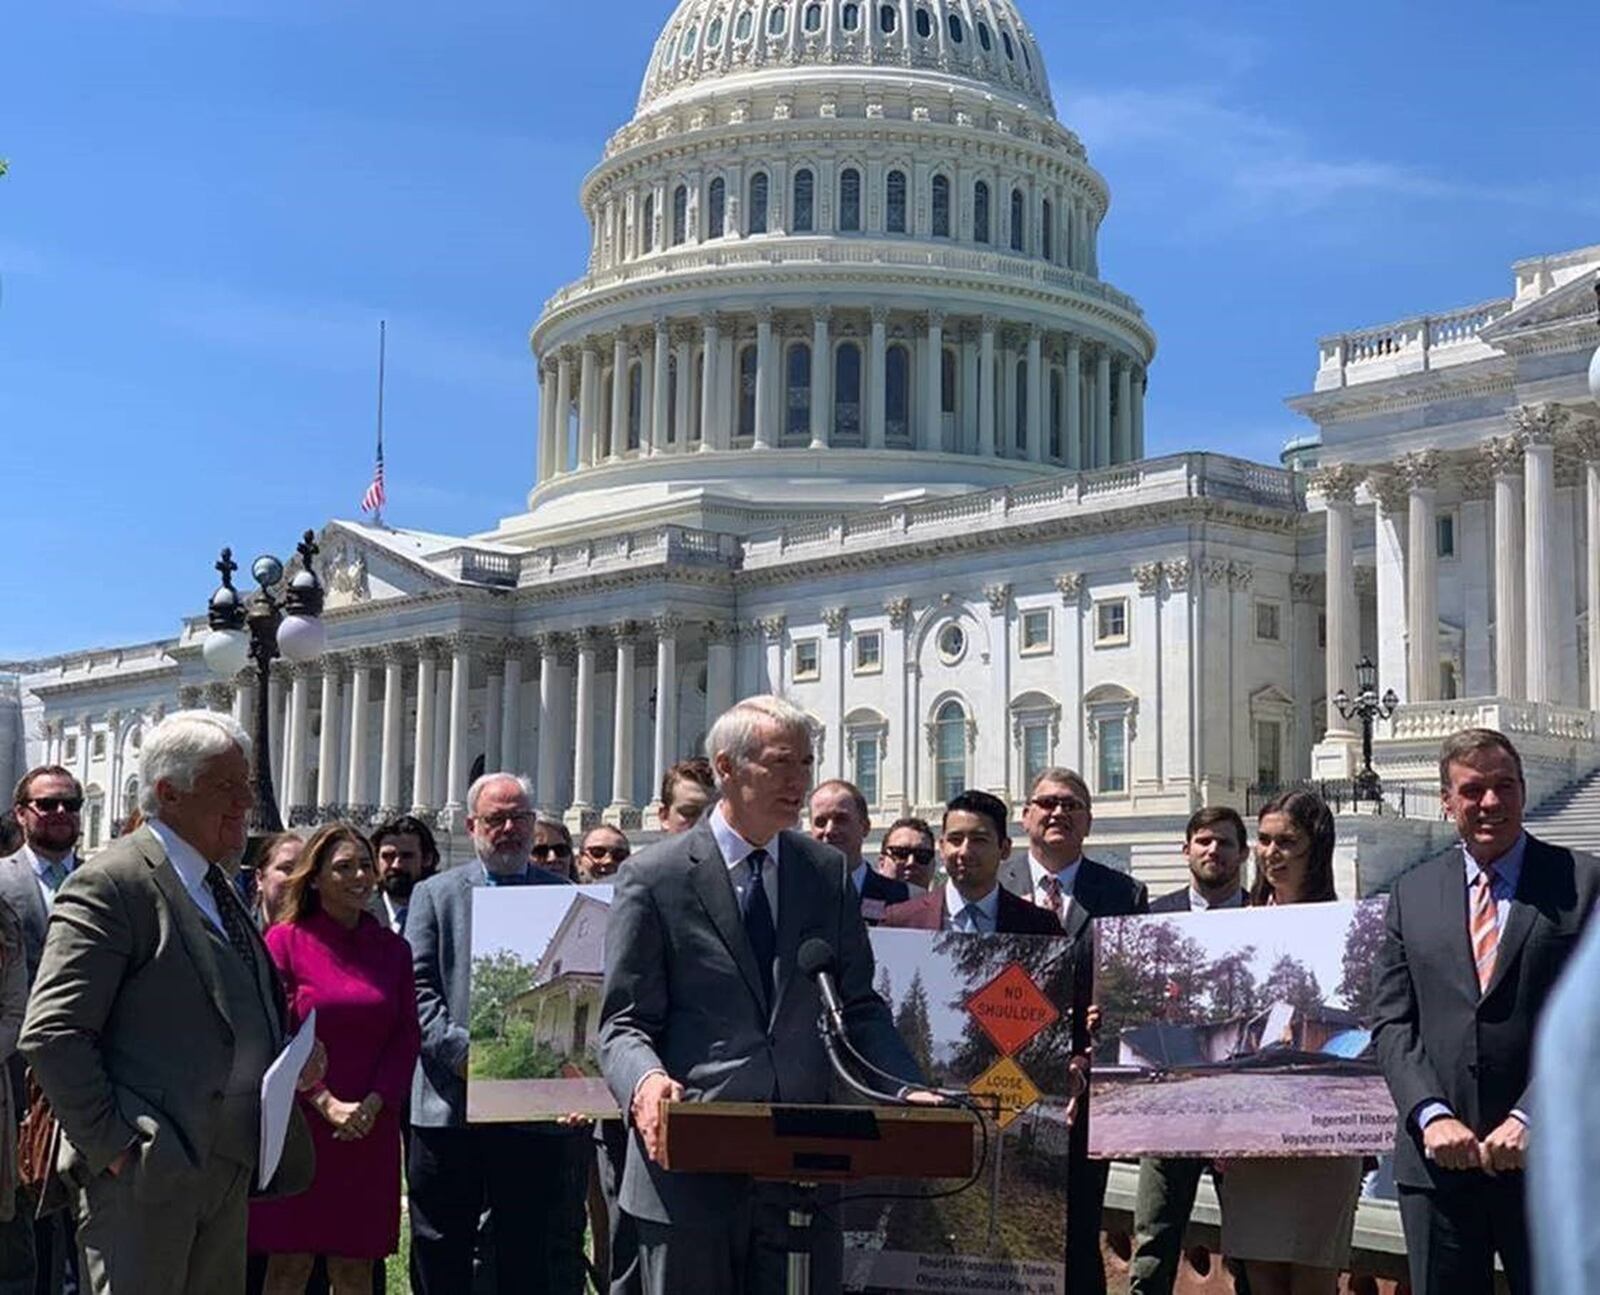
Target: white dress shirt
[1066, 879]
[735, 850]
[1199, 904]
[988, 910]
[859, 877]
[191, 870]
[41, 866]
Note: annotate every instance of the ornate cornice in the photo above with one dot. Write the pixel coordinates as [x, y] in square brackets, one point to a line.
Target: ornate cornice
[899, 610]
[1502, 455]
[1537, 424]
[1069, 584]
[834, 618]
[998, 597]
[1179, 572]
[1147, 576]
[1337, 482]
[1420, 469]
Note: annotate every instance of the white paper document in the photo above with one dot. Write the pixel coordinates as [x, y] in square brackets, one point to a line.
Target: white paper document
[278, 1093]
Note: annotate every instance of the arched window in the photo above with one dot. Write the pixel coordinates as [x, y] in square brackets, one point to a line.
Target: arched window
[647, 234]
[680, 215]
[897, 394]
[714, 33]
[758, 203]
[635, 404]
[941, 206]
[718, 202]
[777, 20]
[1019, 217]
[984, 38]
[888, 19]
[850, 200]
[747, 391]
[1021, 434]
[947, 381]
[924, 24]
[980, 211]
[672, 400]
[797, 393]
[805, 188]
[850, 17]
[813, 22]
[1005, 39]
[1048, 220]
[949, 751]
[847, 393]
[689, 38]
[692, 432]
[744, 26]
[895, 202]
[1058, 409]
[958, 30]
[130, 797]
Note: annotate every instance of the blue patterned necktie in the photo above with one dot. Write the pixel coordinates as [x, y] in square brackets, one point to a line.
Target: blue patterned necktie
[55, 872]
[759, 928]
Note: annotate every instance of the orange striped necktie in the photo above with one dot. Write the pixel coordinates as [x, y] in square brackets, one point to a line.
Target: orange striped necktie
[1485, 926]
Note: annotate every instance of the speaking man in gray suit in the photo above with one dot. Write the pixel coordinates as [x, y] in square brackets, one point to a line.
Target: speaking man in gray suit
[154, 1017]
[704, 1003]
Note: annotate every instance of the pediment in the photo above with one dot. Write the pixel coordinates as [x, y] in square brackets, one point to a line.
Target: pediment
[361, 564]
[1573, 302]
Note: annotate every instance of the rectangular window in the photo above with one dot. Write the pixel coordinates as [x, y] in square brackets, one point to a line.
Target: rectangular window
[1035, 751]
[1111, 622]
[99, 748]
[1446, 523]
[807, 659]
[1035, 632]
[864, 766]
[869, 652]
[70, 752]
[1322, 629]
[1269, 622]
[1269, 753]
[1113, 756]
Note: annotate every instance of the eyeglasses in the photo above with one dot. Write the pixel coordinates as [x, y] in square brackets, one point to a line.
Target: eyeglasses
[617, 852]
[56, 804]
[557, 851]
[1059, 804]
[494, 822]
[909, 853]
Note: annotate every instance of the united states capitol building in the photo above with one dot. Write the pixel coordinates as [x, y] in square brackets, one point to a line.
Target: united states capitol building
[842, 406]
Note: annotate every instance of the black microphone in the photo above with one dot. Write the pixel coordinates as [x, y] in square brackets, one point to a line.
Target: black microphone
[816, 961]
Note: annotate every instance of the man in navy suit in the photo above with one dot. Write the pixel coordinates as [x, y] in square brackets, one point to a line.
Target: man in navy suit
[1215, 846]
[839, 818]
[1476, 939]
[1056, 875]
[974, 841]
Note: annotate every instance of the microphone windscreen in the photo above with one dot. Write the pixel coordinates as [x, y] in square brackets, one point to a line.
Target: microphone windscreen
[815, 956]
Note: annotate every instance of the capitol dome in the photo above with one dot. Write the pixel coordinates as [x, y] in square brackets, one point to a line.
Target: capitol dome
[844, 253]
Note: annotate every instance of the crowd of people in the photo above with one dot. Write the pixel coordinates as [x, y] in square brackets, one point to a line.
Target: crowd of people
[143, 994]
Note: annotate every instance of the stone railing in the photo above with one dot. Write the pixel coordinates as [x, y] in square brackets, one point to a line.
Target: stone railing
[622, 552]
[1408, 346]
[846, 251]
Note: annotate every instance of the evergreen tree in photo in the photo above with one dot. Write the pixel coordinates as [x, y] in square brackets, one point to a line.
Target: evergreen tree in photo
[1291, 981]
[1361, 944]
[914, 1026]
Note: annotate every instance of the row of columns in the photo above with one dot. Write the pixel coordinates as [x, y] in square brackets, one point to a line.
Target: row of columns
[1521, 467]
[1094, 432]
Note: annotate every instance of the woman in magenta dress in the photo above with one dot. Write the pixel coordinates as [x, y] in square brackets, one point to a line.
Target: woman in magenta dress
[336, 957]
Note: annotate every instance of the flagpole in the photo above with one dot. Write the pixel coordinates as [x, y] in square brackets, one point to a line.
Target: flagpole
[383, 331]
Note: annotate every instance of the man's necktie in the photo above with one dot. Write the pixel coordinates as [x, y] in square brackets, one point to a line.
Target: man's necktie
[1485, 926]
[970, 919]
[1053, 899]
[235, 925]
[56, 872]
[759, 927]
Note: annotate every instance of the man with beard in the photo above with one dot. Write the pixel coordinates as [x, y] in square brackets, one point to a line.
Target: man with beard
[406, 854]
[532, 1177]
[48, 803]
[1216, 846]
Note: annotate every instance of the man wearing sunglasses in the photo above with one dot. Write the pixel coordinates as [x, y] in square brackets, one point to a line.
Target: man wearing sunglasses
[552, 847]
[908, 854]
[1056, 875]
[604, 850]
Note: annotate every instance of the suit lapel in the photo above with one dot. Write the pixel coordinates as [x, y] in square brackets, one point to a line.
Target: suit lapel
[714, 889]
[187, 917]
[1085, 899]
[1017, 877]
[1452, 909]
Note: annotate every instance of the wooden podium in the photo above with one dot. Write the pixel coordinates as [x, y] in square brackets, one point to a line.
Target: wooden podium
[818, 1144]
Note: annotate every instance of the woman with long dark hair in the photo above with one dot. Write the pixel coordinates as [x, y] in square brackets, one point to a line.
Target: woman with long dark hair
[1290, 1220]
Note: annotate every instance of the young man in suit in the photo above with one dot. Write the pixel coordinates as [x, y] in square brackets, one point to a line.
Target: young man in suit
[839, 818]
[406, 854]
[973, 843]
[154, 1017]
[1056, 875]
[1476, 939]
[1216, 846]
[704, 1002]
[533, 1177]
[908, 854]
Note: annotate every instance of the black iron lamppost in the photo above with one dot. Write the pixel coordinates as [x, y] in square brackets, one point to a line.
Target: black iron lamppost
[260, 629]
[1367, 707]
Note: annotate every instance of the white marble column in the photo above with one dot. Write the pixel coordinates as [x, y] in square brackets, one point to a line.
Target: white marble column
[583, 731]
[389, 760]
[298, 761]
[356, 792]
[620, 388]
[1124, 429]
[244, 700]
[765, 375]
[563, 412]
[1337, 485]
[683, 341]
[276, 706]
[1420, 471]
[821, 378]
[544, 465]
[588, 405]
[1588, 439]
[772, 629]
[1389, 530]
[720, 641]
[620, 812]
[666, 730]
[986, 446]
[441, 730]
[1074, 401]
[1536, 426]
[877, 379]
[460, 763]
[328, 738]
[932, 437]
[494, 692]
[1504, 457]
[993, 771]
[1102, 408]
[552, 727]
[711, 347]
[1036, 390]
[422, 790]
[511, 710]
[661, 387]
[1140, 382]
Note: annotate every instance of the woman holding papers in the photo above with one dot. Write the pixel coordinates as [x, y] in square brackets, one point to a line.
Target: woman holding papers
[336, 957]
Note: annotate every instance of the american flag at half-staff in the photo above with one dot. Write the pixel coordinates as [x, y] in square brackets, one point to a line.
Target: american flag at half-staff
[373, 501]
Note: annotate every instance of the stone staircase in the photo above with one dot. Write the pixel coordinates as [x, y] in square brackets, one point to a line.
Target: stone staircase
[1571, 817]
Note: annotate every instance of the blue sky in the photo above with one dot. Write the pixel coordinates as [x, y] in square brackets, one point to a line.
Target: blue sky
[213, 202]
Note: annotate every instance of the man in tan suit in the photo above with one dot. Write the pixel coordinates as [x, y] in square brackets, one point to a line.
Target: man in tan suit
[155, 1014]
